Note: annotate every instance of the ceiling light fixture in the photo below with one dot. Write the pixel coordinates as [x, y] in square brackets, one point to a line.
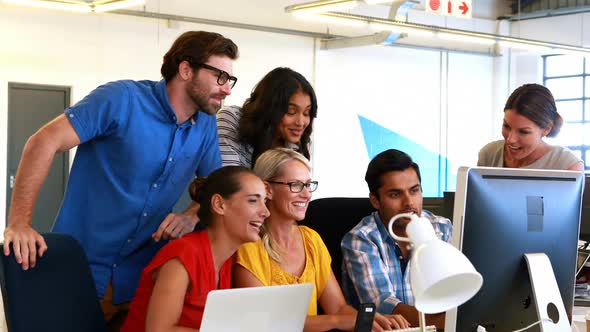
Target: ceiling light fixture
[466, 38]
[330, 20]
[525, 46]
[321, 6]
[105, 6]
[377, 2]
[321, 9]
[401, 29]
[57, 5]
[81, 6]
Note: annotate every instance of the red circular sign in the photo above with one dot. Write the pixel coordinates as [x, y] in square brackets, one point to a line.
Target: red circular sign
[434, 4]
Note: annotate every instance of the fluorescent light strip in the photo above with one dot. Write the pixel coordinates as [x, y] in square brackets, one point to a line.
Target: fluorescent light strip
[401, 29]
[572, 52]
[526, 46]
[329, 19]
[51, 5]
[376, 2]
[117, 5]
[76, 2]
[322, 6]
[466, 38]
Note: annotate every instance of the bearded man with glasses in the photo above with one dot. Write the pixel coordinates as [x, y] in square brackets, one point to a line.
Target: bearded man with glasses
[140, 143]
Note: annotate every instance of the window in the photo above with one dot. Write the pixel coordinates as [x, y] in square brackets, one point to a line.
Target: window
[568, 78]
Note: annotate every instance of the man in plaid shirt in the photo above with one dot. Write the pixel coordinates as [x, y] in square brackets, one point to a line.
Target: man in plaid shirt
[375, 266]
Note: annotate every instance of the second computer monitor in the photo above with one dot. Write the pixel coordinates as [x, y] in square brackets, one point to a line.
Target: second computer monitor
[500, 215]
[585, 221]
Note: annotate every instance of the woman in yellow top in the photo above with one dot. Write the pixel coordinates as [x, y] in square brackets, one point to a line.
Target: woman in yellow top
[291, 254]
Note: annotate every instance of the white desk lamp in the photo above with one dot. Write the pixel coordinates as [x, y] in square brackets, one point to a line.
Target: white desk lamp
[441, 277]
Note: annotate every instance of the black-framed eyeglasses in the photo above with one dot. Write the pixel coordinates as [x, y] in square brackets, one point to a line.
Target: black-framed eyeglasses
[222, 75]
[297, 186]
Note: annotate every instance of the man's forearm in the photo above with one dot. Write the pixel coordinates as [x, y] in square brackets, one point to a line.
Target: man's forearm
[191, 210]
[437, 320]
[33, 169]
[410, 313]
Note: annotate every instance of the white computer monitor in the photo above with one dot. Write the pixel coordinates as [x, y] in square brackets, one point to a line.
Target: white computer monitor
[501, 214]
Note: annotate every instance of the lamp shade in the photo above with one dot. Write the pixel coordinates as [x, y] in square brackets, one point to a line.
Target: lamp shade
[441, 277]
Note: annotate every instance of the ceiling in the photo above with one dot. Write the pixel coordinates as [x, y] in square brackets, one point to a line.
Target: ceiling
[535, 6]
[271, 13]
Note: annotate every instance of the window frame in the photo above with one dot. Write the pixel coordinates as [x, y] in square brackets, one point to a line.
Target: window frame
[585, 99]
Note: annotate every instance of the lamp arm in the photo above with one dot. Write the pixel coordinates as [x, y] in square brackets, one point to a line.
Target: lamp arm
[392, 221]
[422, 321]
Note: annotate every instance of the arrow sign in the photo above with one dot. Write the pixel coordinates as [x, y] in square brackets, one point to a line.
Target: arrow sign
[457, 8]
[464, 8]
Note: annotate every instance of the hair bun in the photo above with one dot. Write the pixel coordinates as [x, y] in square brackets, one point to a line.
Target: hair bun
[196, 188]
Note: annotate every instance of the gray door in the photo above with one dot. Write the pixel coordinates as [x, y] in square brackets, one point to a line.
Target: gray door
[29, 108]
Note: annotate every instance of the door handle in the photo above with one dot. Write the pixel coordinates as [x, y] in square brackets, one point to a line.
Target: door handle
[11, 181]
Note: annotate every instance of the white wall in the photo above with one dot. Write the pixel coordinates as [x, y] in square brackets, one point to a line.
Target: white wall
[445, 107]
[471, 107]
[397, 87]
[566, 29]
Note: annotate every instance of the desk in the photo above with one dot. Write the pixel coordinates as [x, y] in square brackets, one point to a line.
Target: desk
[578, 320]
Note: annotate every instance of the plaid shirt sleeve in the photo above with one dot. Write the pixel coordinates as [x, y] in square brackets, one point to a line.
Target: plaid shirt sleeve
[442, 226]
[368, 273]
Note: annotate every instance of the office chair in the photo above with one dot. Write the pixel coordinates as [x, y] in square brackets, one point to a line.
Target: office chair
[58, 294]
[332, 218]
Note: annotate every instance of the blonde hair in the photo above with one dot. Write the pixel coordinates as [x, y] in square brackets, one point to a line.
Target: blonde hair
[267, 167]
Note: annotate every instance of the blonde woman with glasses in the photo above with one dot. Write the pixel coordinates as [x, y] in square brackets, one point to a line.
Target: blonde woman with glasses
[290, 254]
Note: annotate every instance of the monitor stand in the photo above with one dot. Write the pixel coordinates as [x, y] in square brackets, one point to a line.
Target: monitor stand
[550, 308]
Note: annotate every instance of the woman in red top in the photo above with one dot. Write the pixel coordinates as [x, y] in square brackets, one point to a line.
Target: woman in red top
[174, 286]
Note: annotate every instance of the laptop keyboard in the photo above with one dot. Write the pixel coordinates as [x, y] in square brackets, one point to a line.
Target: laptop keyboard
[430, 328]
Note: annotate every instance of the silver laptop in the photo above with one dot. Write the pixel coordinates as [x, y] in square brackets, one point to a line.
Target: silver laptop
[260, 309]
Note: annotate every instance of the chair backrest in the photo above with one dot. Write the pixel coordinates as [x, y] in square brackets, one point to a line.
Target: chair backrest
[58, 294]
[332, 218]
[440, 206]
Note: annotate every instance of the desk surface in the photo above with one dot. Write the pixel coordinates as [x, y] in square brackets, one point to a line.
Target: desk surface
[579, 322]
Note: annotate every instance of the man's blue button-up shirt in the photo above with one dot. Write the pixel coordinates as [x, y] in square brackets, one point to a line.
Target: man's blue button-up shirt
[132, 165]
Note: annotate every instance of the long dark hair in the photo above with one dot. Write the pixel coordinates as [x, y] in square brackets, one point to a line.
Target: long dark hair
[224, 181]
[268, 103]
[535, 102]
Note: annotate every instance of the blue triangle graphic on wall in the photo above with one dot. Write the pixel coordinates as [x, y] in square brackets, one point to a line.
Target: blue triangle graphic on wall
[433, 166]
